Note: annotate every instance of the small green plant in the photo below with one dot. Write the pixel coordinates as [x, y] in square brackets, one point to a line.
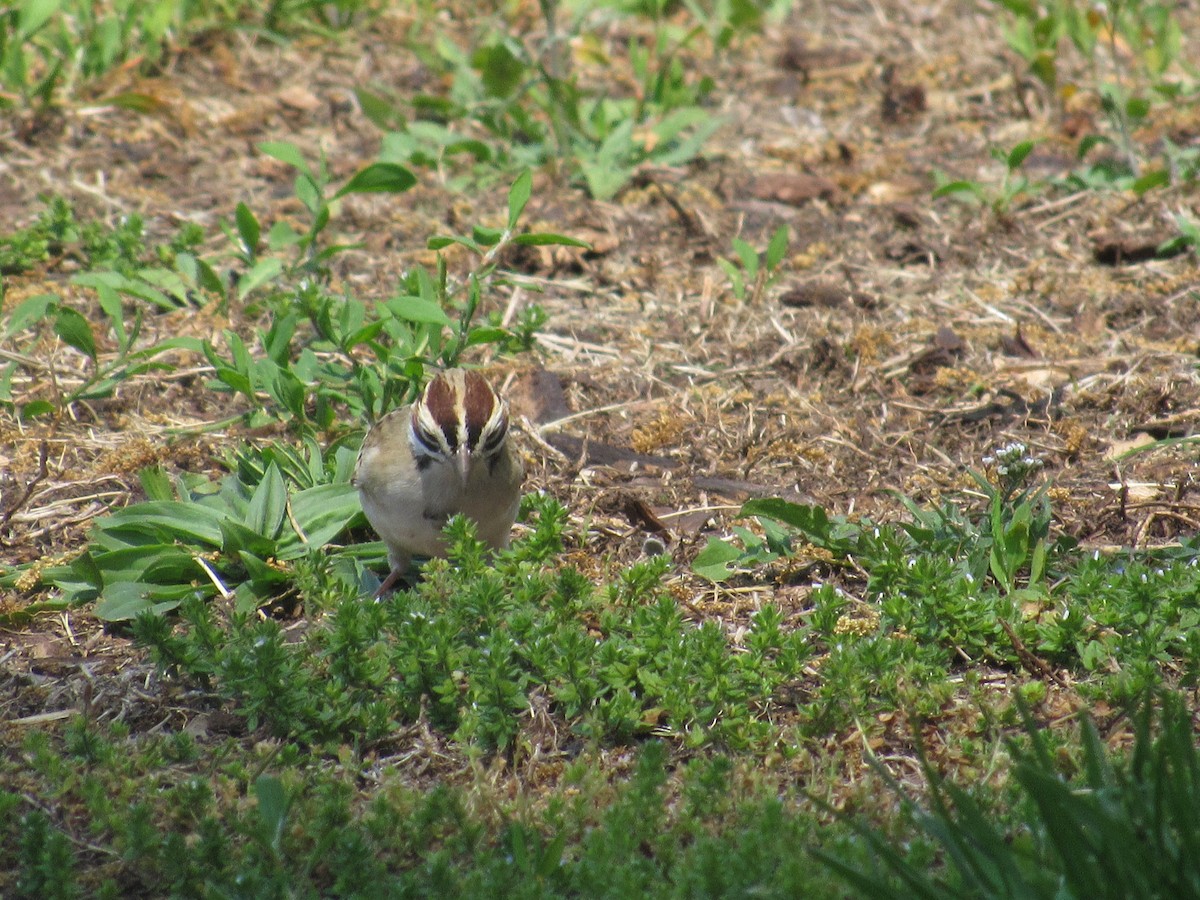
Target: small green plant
[1018, 514]
[126, 278]
[1013, 186]
[195, 538]
[1144, 41]
[751, 275]
[951, 583]
[103, 374]
[1188, 238]
[431, 319]
[48, 47]
[308, 258]
[269, 820]
[1120, 828]
[530, 99]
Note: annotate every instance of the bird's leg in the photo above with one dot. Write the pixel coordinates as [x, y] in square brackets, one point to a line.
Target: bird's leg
[400, 566]
[389, 584]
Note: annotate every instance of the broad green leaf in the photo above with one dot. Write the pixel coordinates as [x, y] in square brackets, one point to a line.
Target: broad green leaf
[668, 153]
[237, 381]
[387, 178]
[29, 311]
[72, 327]
[361, 336]
[133, 287]
[813, 521]
[268, 504]
[414, 309]
[128, 599]
[272, 808]
[156, 484]
[499, 69]
[777, 249]
[541, 239]
[248, 229]
[288, 391]
[236, 537]
[286, 152]
[283, 236]
[263, 575]
[485, 335]
[748, 256]
[261, 272]
[1137, 108]
[518, 196]
[323, 512]
[713, 561]
[110, 302]
[956, 187]
[1151, 180]
[169, 282]
[680, 120]
[441, 240]
[381, 112]
[35, 408]
[1018, 154]
[486, 237]
[33, 15]
[188, 522]
[309, 193]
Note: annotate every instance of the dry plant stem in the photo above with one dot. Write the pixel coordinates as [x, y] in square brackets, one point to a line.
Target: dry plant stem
[43, 453]
[1035, 665]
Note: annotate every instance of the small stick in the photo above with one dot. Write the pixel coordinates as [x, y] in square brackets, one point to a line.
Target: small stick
[43, 453]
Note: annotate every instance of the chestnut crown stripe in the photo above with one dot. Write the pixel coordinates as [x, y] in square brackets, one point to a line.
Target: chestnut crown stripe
[479, 405]
[459, 408]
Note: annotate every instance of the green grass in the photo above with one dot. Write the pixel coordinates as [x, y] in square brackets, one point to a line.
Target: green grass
[164, 815]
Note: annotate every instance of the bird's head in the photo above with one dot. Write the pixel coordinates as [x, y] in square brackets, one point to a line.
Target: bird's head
[458, 420]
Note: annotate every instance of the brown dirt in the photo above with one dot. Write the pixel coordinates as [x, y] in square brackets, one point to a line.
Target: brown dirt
[907, 339]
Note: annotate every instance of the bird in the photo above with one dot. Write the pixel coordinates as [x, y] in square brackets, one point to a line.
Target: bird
[448, 452]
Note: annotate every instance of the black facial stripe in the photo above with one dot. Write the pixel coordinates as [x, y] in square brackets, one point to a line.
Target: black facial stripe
[450, 430]
[496, 436]
[427, 441]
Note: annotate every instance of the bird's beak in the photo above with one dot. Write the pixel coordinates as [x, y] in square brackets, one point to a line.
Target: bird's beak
[463, 458]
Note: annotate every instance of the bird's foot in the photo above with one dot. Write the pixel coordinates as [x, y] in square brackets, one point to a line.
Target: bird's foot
[389, 584]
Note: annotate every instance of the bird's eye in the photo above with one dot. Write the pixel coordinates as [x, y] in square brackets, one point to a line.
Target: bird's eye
[428, 442]
[495, 437]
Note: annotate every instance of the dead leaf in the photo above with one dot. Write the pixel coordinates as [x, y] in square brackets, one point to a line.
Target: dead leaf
[824, 294]
[1117, 449]
[640, 515]
[794, 189]
[947, 339]
[1138, 491]
[538, 396]
[1118, 247]
[1017, 345]
[299, 98]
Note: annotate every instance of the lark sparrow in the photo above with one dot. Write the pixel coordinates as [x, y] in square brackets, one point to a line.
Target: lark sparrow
[447, 453]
